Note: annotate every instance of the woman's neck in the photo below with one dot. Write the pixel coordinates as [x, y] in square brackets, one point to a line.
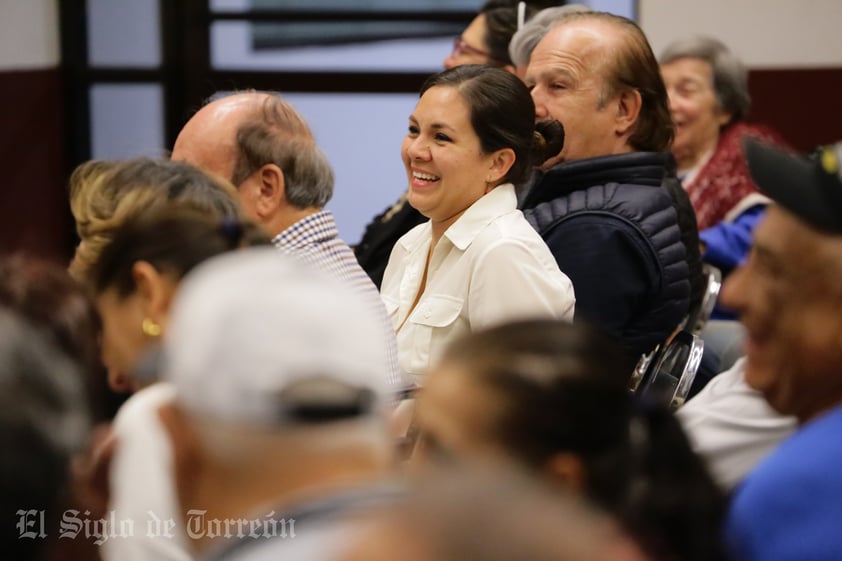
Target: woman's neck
[438, 228]
[692, 157]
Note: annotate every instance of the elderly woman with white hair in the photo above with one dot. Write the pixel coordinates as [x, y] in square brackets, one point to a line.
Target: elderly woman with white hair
[709, 100]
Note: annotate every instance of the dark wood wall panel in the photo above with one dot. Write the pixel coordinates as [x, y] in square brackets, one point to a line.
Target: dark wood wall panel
[802, 104]
[34, 214]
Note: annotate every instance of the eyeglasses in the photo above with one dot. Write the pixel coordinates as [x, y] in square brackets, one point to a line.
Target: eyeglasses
[461, 47]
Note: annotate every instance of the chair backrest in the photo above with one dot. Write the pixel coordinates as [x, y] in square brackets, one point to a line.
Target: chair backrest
[644, 363]
[670, 373]
[699, 317]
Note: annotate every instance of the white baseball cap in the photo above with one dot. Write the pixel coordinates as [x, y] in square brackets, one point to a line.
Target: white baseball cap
[257, 337]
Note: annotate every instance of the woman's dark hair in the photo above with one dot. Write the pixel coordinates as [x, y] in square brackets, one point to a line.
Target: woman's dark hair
[503, 115]
[501, 24]
[565, 390]
[173, 240]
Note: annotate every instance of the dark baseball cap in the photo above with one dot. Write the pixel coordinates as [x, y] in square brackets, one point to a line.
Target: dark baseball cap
[810, 188]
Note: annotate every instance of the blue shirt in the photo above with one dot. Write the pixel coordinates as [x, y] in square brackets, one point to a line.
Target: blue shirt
[790, 507]
[727, 243]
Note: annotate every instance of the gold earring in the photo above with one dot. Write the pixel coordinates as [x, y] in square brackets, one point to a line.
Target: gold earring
[150, 328]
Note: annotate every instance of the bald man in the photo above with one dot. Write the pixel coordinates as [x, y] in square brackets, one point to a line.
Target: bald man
[263, 146]
[260, 143]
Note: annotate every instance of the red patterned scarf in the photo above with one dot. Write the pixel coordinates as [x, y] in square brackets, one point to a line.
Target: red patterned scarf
[724, 180]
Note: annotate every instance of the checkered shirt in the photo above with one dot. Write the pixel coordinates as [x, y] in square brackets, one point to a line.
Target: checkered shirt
[315, 240]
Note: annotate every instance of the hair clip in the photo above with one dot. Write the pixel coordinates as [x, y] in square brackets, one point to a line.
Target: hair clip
[521, 14]
[231, 229]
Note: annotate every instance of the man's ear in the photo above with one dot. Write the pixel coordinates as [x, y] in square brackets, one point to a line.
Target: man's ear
[501, 162]
[155, 289]
[272, 190]
[628, 105]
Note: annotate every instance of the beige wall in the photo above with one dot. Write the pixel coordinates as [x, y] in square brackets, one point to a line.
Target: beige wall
[29, 37]
[764, 33]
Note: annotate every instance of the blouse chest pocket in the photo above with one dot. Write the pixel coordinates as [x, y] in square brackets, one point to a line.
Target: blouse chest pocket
[434, 323]
[437, 310]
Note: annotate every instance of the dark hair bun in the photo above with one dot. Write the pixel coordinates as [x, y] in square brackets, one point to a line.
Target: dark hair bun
[548, 141]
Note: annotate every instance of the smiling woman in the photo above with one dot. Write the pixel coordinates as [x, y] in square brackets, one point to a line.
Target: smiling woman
[484, 41]
[444, 161]
[477, 262]
[709, 101]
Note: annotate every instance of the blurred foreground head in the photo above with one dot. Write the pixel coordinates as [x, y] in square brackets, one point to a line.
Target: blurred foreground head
[278, 373]
[43, 421]
[552, 397]
[493, 515]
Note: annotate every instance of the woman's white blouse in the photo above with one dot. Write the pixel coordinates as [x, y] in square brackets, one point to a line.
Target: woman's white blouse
[489, 267]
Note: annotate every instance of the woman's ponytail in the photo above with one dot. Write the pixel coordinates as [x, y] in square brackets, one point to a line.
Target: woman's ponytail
[547, 142]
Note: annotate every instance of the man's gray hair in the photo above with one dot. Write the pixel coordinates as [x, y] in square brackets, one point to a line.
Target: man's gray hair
[277, 134]
[527, 38]
[730, 78]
